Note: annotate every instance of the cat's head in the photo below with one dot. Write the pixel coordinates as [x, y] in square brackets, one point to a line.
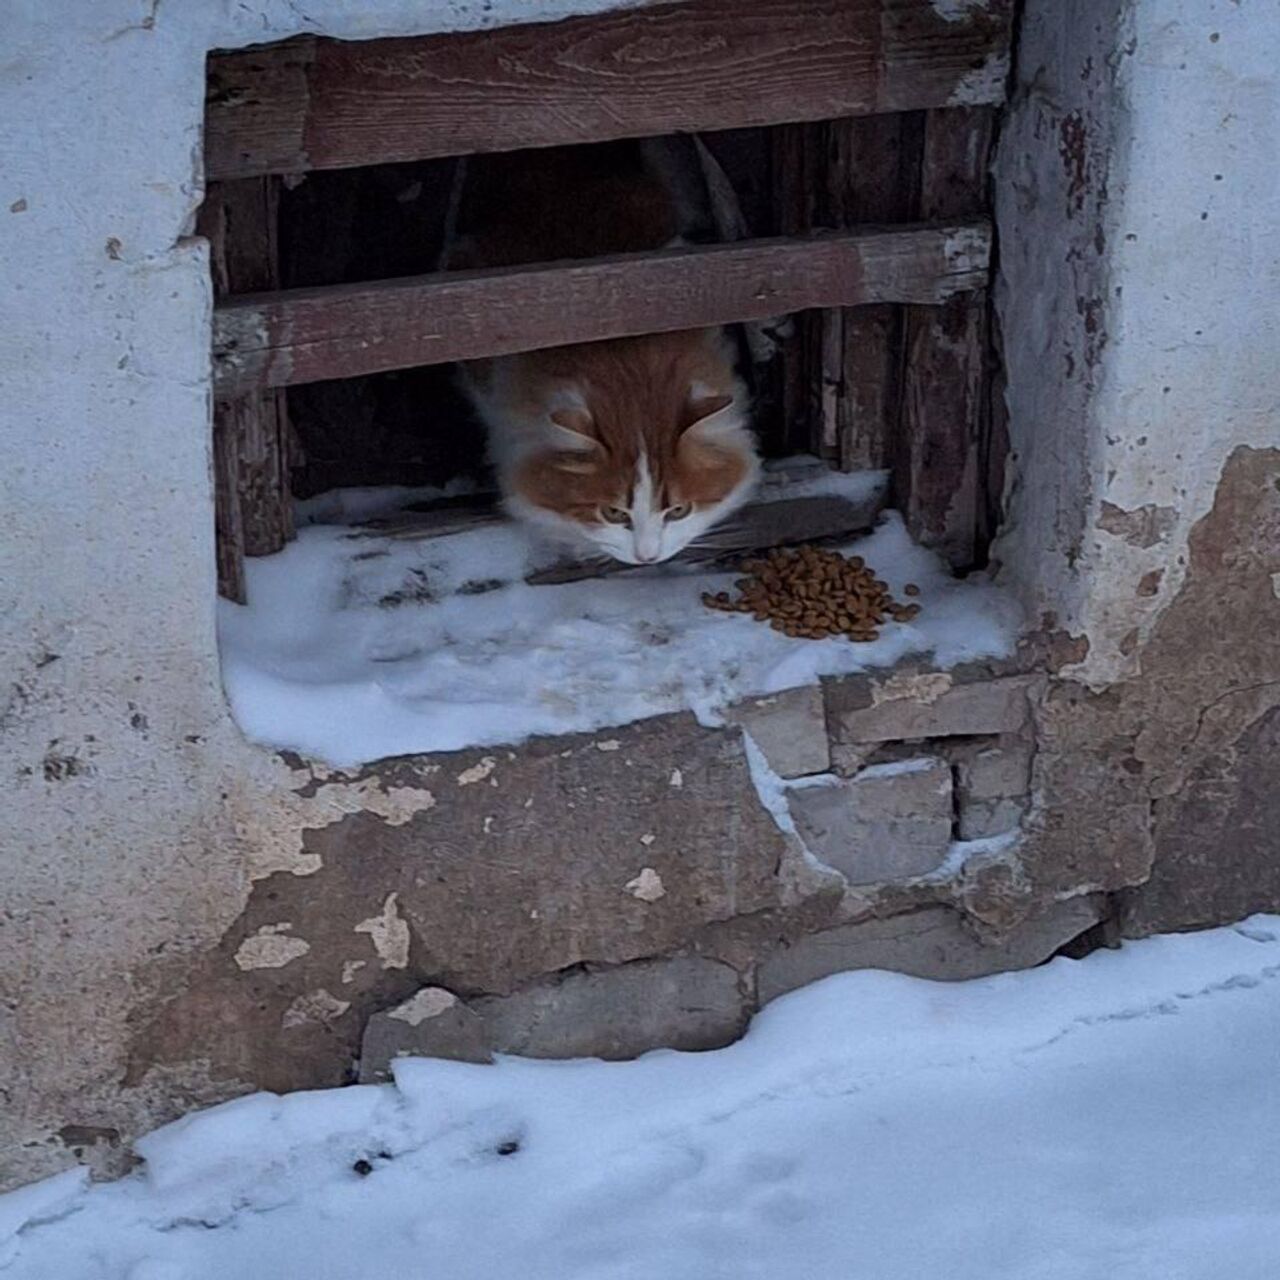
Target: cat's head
[638, 472]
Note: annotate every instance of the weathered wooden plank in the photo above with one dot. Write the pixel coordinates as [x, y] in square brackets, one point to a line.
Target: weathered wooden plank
[873, 177]
[937, 460]
[228, 531]
[765, 523]
[258, 422]
[993, 447]
[254, 506]
[830, 390]
[793, 163]
[759, 527]
[309, 335]
[670, 68]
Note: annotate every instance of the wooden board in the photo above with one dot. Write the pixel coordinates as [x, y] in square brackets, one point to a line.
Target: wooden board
[937, 452]
[671, 68]
[228, 531]
[759, 527]
[794, 163]
[258, 424]
[251, 432]
[766, 523]
[309, 335]
[873, 177]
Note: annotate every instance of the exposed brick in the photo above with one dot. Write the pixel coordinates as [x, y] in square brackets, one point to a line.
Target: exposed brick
[991, 783]
[933, 943]
[790, 728]
[432, 1023]
[927, 707]
[982, 818]
[887, 823]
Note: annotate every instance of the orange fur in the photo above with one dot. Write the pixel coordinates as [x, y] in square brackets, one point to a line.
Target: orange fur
[582, 434]
[636, 392]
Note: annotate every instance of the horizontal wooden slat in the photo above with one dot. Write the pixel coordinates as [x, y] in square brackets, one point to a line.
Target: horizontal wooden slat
[342, 331]
[695, 66]
[759, 526]
[769, 521]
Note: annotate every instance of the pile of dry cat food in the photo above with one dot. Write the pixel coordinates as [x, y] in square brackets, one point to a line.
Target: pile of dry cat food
[813, 593]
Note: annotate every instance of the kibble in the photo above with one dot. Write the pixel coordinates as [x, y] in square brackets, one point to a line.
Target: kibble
[815, 594]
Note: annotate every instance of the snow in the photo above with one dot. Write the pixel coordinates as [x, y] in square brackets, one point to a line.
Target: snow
[960, 851]
[351, 506]
[355, 647]
[1116, 1116]
[770, 786]
[896, 768]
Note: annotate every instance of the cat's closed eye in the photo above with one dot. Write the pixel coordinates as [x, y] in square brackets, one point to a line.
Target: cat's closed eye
[679, 511]
[615, 515]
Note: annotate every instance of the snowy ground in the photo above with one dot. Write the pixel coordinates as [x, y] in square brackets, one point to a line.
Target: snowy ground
[1113, 1118]
[355, 648]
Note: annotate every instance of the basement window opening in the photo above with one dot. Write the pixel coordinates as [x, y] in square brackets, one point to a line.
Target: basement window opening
[378, 600]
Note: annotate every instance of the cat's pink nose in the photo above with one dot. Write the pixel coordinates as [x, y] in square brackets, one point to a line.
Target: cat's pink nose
[647, 557]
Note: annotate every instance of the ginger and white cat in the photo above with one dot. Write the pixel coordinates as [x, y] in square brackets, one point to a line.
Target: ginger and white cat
[633, 447]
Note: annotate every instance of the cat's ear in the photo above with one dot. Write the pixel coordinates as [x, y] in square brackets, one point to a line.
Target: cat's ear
[702, 407]
[577, 463]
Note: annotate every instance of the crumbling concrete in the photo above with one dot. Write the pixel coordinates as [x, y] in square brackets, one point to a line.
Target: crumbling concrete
[910, 707]
[992, 784]
[680, 1002]
[933, 943]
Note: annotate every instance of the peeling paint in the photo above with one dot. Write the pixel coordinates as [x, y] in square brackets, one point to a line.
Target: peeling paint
[478, 772]
[1142, 527]
[647, 886]
[350, 968]
[430, 1002]
[926, 688]
[609, 744]
[389, 934]
[1149, 583]
[677, 779]
[313, 1006]
[271, 948]
[335, 798]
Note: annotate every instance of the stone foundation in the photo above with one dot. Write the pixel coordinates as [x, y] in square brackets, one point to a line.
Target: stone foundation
[651, 886]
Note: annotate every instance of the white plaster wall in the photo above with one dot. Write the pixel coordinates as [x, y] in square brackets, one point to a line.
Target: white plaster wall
[130, 803]
[1142, 319]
